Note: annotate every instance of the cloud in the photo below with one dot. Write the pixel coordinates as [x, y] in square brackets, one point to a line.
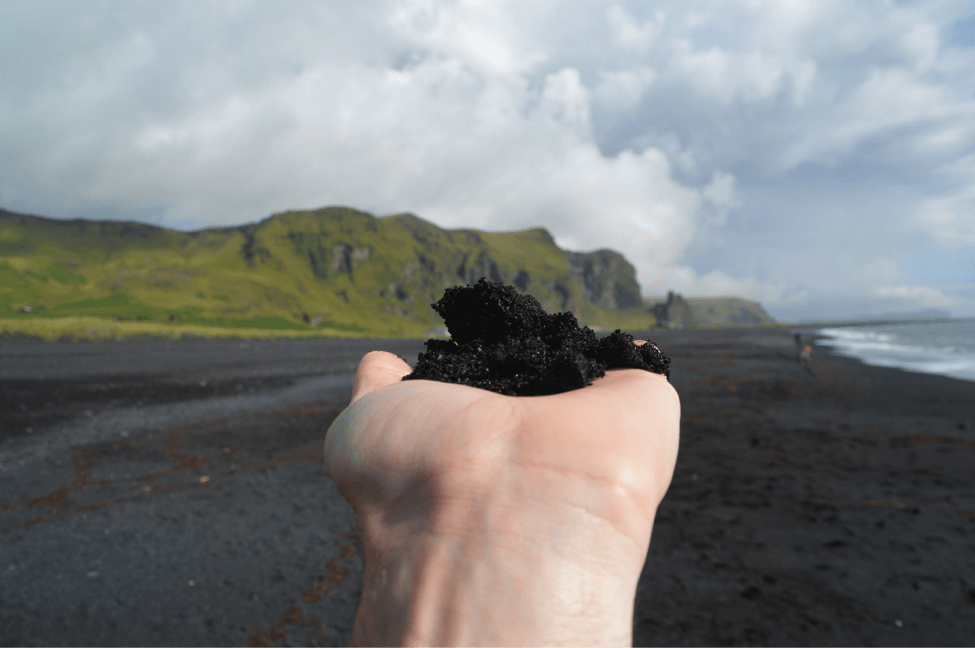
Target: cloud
[950, 219]
[717, 283]
[486, 35]
[724, 76]
[630, 34]
[720, 197]
[566, 101]
[919, 295]
[623, 89]
[800, 153]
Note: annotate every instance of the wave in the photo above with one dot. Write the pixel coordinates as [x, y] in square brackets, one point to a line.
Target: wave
[945, 349]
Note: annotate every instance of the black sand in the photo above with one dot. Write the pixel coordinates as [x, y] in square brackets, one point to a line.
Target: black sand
[804, 510]
[505, 342]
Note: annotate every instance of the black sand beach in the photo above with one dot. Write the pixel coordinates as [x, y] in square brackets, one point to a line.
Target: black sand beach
[161, 493]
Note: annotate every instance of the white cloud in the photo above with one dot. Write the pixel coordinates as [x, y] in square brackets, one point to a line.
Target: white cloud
[566, 100]
[949, 220]
[623, 89]
[726, 76]
[629, 33]
[484, 34]
[690, 283]
[922, 296]
[720, 198]
[921, 43]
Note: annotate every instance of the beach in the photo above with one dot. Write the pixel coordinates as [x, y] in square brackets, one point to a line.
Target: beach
[173, 493]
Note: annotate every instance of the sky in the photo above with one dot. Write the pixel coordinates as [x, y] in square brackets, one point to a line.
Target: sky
[817, 156]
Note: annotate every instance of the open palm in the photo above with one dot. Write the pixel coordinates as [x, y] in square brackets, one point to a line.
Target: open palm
[571, 479]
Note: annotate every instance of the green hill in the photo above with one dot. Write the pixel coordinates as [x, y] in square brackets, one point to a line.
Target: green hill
[333, 271]
[728, 311]
[705, 312]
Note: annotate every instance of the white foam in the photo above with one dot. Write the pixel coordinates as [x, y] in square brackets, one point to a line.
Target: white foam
[935, 348]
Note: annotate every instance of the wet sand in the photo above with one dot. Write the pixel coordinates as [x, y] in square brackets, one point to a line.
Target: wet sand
[162, 493]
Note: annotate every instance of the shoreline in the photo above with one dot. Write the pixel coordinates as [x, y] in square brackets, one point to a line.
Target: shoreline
[908, 356]
[881, 322]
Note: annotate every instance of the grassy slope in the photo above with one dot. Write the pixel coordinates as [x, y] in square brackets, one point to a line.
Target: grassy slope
[723, 311]
[347, 272]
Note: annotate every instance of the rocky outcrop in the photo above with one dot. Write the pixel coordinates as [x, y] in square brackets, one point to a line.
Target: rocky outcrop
[325, 258]
[608, 279]
[674, 313]
[678, 311]
[475, 266]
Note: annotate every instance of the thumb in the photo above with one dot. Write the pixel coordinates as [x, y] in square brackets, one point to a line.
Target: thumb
[377, 369]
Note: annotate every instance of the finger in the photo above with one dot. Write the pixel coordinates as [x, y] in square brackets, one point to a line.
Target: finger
[377, 369]
[642, 342]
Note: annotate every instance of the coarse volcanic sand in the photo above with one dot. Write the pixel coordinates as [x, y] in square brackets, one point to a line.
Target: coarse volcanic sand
[174, 494]
[505, 342]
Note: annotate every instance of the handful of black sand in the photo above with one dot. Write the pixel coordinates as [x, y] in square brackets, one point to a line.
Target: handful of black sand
[506, 343]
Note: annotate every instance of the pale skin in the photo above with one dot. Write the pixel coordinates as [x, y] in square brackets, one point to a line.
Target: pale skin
[501, 520]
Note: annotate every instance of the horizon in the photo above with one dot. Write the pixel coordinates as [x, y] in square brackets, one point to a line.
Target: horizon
[814, 157]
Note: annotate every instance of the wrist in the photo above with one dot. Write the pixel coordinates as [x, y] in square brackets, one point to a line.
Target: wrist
[513, 581]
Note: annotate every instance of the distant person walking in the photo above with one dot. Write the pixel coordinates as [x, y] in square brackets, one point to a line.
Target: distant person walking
[803, 353]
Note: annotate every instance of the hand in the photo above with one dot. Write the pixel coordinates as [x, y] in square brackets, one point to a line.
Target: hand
[491, 519]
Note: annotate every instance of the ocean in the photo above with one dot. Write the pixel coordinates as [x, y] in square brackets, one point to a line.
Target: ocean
[946, 348]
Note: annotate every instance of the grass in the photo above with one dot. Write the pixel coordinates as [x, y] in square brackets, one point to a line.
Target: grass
[91, 328]
[95, 329]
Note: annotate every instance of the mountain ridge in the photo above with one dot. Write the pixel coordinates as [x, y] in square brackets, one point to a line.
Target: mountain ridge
[334, 270]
